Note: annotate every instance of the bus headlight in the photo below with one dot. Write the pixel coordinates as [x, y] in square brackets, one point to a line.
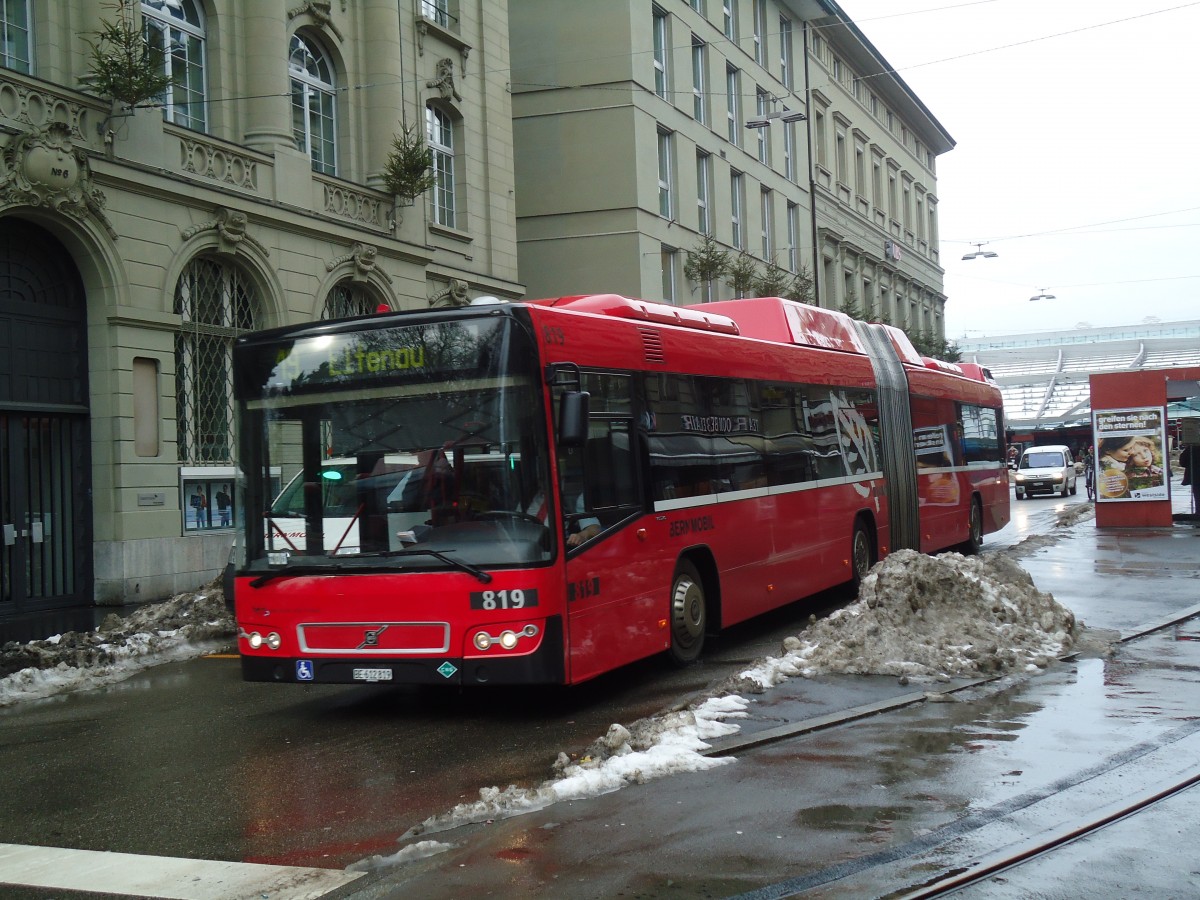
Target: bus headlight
[256, 640]
[507, 639]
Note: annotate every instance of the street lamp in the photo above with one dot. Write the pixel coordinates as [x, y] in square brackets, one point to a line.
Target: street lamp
[1043, 296]
[784, 115]
[979, 251]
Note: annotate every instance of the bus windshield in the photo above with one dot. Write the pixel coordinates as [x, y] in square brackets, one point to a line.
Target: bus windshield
[422, 446]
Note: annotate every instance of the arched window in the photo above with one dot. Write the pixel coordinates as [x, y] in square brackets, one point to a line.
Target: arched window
[439, 130]
[177, 27]
[313, 93]
[217, 303]
[349, 299]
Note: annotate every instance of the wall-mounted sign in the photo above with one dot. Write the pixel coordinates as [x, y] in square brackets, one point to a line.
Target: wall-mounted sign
[1130, 447]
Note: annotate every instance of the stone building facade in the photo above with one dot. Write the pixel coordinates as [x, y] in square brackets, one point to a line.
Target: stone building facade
[136, 244]
[773, 125]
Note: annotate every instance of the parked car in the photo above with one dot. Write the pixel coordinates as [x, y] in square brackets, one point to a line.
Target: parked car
[1047, 469]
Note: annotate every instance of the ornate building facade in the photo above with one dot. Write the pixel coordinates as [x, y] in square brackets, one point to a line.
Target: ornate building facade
[137, 243]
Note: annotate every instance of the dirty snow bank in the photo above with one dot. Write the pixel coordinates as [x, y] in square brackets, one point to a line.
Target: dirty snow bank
[187, 625]
[929, 617]
[650, 748]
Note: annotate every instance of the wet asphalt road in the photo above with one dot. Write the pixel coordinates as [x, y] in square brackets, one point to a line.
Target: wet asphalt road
[306, 778]
[874, 808]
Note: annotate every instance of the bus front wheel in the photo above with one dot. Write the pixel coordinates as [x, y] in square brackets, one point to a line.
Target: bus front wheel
[862, 554]
[689, 614]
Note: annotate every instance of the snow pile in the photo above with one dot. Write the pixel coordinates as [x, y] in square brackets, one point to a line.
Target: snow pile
[650, 748]
[927, 617]
[185, 626]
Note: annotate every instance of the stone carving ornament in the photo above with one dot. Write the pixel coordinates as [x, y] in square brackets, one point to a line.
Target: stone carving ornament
[42, 167]
[230, 226]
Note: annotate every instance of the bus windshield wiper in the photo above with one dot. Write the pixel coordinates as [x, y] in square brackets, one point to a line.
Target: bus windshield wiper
[296, 569]
[444, 557]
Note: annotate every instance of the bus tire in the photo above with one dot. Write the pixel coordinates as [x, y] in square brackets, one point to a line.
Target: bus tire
[862, 553]
[689, 614]
[974, 541]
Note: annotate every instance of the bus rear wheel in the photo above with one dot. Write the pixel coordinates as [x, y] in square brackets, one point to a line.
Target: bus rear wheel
[974, 542]
[689, 614]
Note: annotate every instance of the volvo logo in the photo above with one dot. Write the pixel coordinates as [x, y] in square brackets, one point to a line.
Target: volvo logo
[371, 637]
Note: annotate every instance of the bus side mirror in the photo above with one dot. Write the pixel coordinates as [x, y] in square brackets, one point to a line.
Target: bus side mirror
[573, 418]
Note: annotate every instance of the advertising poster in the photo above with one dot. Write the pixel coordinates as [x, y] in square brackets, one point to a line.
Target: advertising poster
[1129, 454]
[938, 487]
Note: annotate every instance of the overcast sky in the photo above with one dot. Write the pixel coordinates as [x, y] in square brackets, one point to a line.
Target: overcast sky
[1077, 131]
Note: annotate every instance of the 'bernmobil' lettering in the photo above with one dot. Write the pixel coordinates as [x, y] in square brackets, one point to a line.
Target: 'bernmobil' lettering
[680, 527]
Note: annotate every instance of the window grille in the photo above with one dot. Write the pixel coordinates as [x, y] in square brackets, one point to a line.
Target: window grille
[348, 299]
[217, 304]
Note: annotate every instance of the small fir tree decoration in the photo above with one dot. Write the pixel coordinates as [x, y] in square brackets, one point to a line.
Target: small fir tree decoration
[706, 262]
[408, 169]
[125, 66]
[743, 274]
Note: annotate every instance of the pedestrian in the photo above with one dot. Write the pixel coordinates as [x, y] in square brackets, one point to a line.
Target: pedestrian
[1188, 459]
[200, 506]
[224, 505]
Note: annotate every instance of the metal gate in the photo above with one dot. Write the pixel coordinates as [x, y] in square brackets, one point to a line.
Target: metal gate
[45, 467]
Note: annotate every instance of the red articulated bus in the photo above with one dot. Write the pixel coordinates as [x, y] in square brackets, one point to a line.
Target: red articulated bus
[542, 491]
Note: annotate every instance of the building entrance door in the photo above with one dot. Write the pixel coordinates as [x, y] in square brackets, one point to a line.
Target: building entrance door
[45, 467]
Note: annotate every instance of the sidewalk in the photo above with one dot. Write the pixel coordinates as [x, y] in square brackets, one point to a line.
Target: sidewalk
[816, 814]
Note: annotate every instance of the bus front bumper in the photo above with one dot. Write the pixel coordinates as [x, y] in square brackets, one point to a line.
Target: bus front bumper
[543, 666]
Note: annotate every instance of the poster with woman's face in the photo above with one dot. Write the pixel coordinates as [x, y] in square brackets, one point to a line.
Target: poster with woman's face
[1129, 454]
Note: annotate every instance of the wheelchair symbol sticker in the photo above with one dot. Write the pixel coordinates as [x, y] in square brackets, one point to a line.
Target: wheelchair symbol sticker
[304, 670]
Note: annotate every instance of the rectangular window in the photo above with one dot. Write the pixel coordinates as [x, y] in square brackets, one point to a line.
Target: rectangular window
[767, 214]
[661, 49]
[697, 5]
[860, 169]
[789, 150]
[840, 157]
[17, 47]
[440, 135]
[699, 80]
[437, 11]
[760, 32]
[666, 204]
[703, 191]
[980, 434]
[669, 259]
[877, 183]
[737, 202]
[820, 138]
[733, 113]
[762, 104]
[786, 73]
[729, 11]
[793, 237]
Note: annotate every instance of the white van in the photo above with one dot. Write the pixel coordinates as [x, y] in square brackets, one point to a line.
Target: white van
[1046, 469]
